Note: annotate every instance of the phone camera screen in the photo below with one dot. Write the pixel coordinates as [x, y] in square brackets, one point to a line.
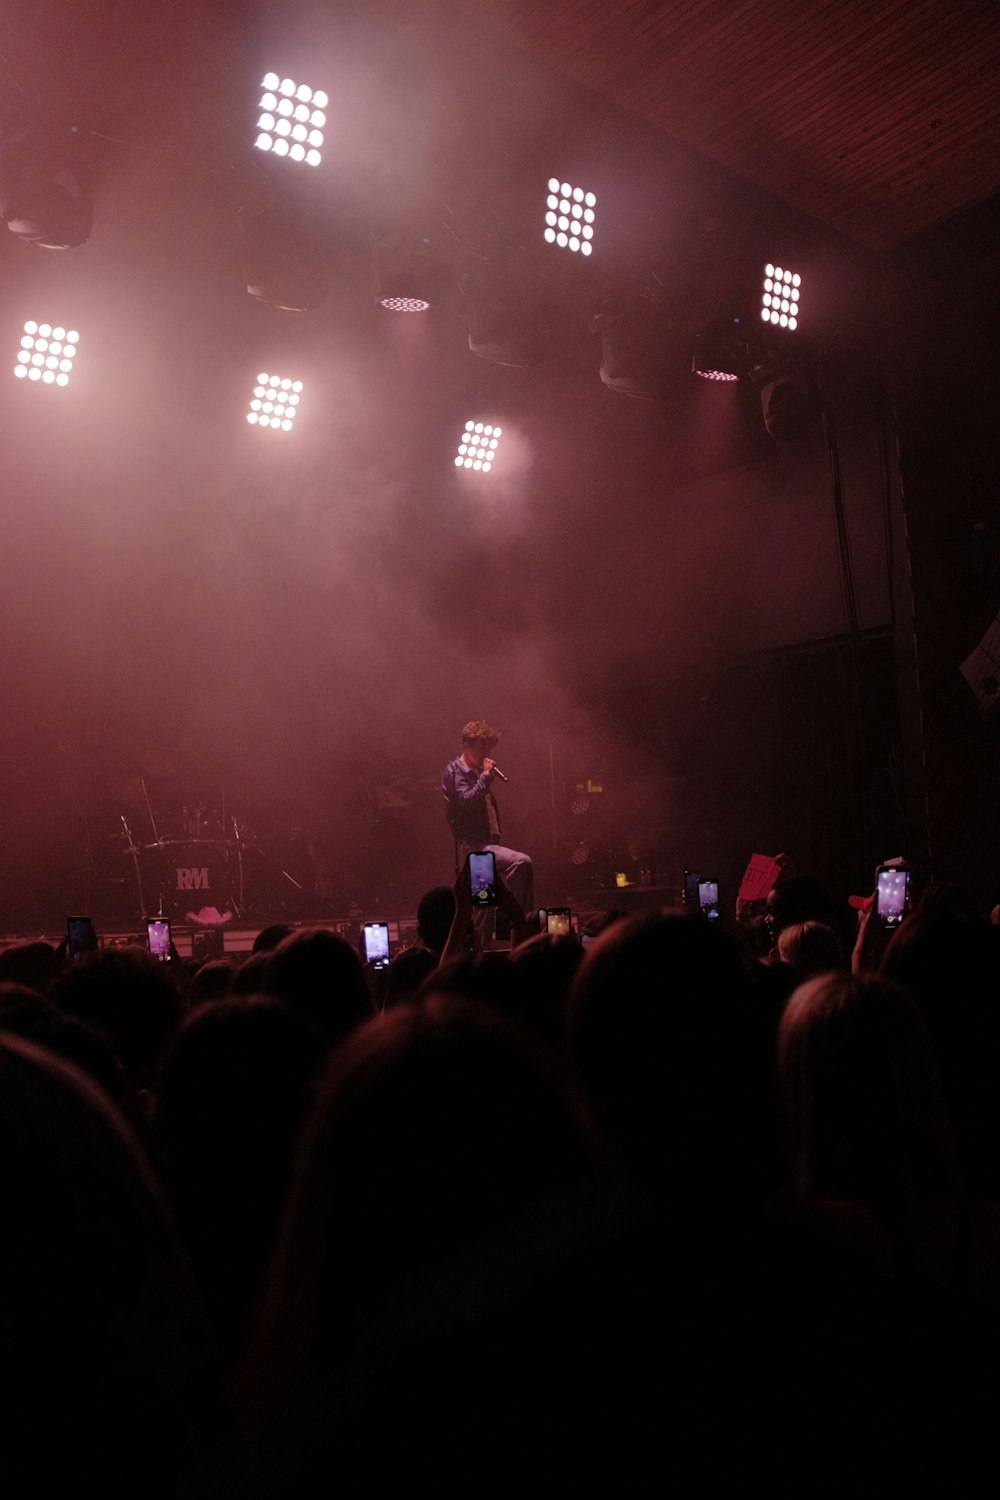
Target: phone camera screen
[377, 944]
[159, 940]
[708, 898]
[481, 878]
[892, 889]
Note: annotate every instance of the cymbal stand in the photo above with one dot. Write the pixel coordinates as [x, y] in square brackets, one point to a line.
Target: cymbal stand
[132, 848]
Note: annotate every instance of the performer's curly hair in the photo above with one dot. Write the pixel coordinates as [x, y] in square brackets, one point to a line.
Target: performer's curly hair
[480, 732]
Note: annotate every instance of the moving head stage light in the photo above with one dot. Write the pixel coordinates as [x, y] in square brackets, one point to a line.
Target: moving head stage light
[45, 192]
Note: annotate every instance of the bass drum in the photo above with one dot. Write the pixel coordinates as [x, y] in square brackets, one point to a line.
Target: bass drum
[191, 877]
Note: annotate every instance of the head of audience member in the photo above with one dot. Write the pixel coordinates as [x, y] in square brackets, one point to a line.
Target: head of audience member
[249, 978]
[26, 1014]
[435, 915]
[673, 1054]
[106, 1348]
[950, 964]
[127, 996]
[862, 1099]
[804, 899]
[487, 978]
[407, 973]
[232, 1095]
[269, 937]
[33, 964]
[545, 967]
[810, 948]
[434, 1127]
[440, 1155]
[319, 974]
[212, 980]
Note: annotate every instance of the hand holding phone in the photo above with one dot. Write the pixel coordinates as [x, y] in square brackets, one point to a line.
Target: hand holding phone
[80, 937]
[158, 938]
[708, 898]
[375, 944]
[892, 895]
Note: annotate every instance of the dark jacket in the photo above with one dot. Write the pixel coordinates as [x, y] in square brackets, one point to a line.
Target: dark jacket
[466, 795]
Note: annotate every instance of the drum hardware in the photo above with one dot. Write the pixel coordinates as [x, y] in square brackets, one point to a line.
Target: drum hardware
[194, 880]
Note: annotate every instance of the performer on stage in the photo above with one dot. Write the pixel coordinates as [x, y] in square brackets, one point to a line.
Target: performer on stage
[472, 813]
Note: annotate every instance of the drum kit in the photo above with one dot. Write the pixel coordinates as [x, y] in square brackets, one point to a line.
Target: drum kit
[196, 878]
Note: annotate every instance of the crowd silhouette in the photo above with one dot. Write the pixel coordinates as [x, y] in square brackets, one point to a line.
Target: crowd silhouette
[671, 1203]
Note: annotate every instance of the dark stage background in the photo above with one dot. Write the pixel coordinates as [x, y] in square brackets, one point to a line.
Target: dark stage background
[648, 597]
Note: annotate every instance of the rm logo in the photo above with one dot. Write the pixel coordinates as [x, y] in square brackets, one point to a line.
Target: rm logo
[193, 880]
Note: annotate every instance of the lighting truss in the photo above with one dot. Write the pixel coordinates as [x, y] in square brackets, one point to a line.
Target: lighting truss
[275, 402]
[478, 446]
[46, 353]
[780, 297]
[291, 119]
[569, 217]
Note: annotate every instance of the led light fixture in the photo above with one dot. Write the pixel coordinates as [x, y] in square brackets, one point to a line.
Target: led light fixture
[780, 297]
[720, 352]
[569, 217]
[275, 402]
[46, 353]
[291, 118]
[478, 446]
[404, 304]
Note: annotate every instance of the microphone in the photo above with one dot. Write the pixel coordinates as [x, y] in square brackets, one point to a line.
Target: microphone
[497, 772]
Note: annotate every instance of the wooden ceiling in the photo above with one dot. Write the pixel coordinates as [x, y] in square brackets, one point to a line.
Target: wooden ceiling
[880, 118]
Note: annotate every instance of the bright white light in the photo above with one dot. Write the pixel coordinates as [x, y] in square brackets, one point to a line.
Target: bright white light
[266, 404]
[287, 100]
[42, 353]
[566, 207]
[477, 446]
[405, 304]
[780, 297]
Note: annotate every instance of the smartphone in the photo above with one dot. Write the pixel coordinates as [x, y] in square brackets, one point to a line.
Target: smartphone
[558, 921]
[892, 893]
[375, 944]
[80, 937]
[708, 898]
[482, 878]
[158, 938]
[691, 882]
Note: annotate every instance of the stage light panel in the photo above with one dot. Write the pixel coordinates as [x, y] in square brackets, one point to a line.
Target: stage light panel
[404, 304]
[47, 353]
[290, 119]
[780, 297]
[569, 217]
[275, 402]
[477, 448]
